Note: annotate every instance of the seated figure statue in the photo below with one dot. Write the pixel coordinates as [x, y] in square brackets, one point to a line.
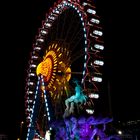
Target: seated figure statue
[77, 99]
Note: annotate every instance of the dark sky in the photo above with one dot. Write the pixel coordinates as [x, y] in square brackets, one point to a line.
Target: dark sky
[20, 23]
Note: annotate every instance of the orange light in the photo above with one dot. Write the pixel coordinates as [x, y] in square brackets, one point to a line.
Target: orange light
[45, 68]
[68, 74]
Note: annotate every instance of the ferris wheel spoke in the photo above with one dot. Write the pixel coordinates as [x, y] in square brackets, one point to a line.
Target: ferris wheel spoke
[76, 32]
[77, 55]
[72, 28]
[75, 42]
[62, 25]
[57, 27]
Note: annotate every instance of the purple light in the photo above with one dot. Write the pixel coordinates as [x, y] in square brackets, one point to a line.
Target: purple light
[81, 128]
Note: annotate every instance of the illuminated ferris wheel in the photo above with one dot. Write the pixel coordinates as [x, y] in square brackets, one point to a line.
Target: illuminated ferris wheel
[67, 53]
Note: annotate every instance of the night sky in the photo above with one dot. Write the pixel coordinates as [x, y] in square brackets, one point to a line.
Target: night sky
[20, 24]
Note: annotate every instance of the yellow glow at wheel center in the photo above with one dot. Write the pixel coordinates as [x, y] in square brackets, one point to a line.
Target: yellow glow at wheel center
[45, 68]
[52, 64]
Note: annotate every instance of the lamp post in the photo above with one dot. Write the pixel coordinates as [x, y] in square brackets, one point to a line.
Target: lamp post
[21, 128]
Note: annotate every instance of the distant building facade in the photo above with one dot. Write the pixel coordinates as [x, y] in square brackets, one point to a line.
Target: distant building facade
[130, 130]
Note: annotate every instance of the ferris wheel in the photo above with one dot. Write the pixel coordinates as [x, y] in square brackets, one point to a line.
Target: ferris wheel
[66, 59]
